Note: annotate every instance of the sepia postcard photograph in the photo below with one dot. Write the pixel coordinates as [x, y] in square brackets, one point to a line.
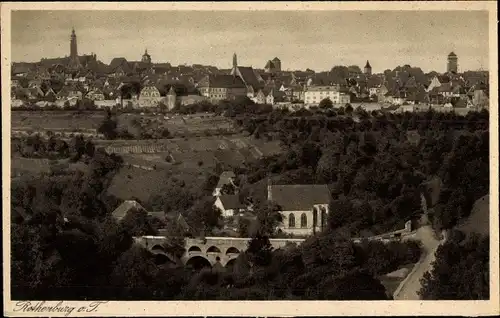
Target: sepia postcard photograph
[250, 158]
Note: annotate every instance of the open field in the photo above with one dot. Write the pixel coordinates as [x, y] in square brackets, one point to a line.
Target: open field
[144, 184]
[22, 166]
[191, 152]
[56, 120]
[89, 122]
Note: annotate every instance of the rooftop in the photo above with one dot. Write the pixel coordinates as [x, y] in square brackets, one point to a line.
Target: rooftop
[300, 197]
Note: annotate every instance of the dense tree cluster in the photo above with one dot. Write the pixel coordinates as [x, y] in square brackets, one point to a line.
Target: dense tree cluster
[376, 163]
[461, 270]
[66, 245]
[63, 236]
[53, 147]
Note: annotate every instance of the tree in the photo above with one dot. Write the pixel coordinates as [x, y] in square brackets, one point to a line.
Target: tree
[268, 218]
[228, 188]
[348, 109]
[204, 216]
[137, 223]
[259, 250]
[460, 271]
[326, 103]
[339, 73]
[356, 285]
[108, 127]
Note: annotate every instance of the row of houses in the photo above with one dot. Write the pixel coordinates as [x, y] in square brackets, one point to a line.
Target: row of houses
[149, 84]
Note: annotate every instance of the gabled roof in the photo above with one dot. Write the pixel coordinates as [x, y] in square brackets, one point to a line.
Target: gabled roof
[300, 197]
[269, 64]
[117, 61]
[231, 202]
[20, 68]
[249, 76]
[225, 178]
[223, 81]
[445, 87]
[125, 207]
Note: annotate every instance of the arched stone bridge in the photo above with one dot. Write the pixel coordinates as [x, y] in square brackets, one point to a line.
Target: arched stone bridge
[209, 250]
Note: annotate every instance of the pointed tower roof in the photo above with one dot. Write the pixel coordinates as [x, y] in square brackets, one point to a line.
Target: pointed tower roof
[367, 64]
[171, 91]
[452, 54]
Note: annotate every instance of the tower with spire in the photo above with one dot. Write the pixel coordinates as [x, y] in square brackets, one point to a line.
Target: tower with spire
[146, 58]
[368, 68]
[235, 61]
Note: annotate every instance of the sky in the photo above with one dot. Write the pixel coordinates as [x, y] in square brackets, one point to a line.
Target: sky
[317, 40]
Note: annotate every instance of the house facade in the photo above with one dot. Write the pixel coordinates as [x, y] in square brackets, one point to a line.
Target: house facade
[229, 205]
[149, 97]
[315, 94]
[222, 87]
[304, 208]
[95, 95]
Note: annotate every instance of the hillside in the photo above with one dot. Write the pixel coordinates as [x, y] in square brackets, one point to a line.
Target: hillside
[479, 219]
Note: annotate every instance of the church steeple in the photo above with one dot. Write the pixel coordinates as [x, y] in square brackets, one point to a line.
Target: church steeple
[235, 61]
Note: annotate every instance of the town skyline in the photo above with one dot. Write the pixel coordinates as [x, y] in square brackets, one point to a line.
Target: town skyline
[45, 34]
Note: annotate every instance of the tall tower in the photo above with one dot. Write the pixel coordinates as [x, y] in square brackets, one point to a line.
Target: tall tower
[452, 63]
[368, 68]
[146, 58]
[74, 61]
[235, 61]
[73, 52]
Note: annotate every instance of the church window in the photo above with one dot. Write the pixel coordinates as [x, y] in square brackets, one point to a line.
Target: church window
[315, 217]
[291, 220]
[303, 220]
[323, 217]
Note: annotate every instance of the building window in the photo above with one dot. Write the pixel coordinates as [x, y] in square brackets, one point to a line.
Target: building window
[315, 217]
[291, 220]
[323, 217]
[303, 220]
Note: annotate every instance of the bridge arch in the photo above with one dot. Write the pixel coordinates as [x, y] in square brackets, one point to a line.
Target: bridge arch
[194, 249]
[230, 264]
[232, 250]
[213, 249]
[198, 263]
[158, 249]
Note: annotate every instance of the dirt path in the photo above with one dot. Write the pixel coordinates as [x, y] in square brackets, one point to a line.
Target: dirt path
[411, 285]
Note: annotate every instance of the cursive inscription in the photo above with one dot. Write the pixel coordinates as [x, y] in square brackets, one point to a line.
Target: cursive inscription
[52, 307]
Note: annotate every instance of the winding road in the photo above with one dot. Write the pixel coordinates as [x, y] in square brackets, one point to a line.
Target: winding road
[408, 289]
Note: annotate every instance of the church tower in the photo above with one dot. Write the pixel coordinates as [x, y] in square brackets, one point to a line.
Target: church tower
[452, 66]
[73, 52]
[146, 58]
[74, 61]
[368, 69]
